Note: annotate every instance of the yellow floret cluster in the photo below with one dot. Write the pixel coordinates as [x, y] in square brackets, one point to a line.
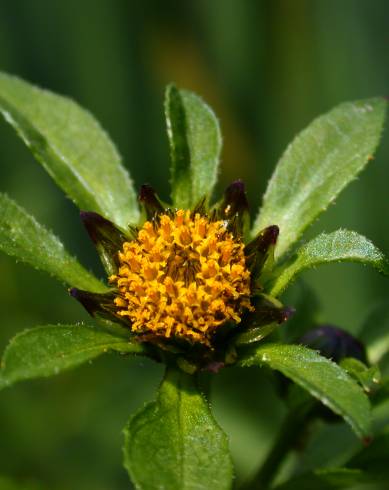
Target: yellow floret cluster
[182, 276]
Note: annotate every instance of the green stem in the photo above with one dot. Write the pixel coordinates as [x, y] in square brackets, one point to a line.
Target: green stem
[291, 429]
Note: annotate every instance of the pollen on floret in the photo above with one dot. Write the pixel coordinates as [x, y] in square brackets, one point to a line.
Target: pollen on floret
[182, 276]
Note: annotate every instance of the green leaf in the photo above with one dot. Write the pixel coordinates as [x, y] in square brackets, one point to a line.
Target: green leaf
[174, 443]
[22, 237]
[72, 147]
[327, 479]
[195, 145]
[339, 246]
[45, 351]
[322, 378]
[317, 165]
[368, 377]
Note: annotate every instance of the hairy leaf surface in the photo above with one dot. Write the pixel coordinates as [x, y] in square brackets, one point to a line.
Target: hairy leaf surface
[51, 349]
[339, 246]
[322, 378]
[317, 165]
[22, 237]
[195, 145]
[72, 147]
[175, 443]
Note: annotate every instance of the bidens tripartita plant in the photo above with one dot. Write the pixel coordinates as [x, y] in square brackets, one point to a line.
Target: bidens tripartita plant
[189, 283]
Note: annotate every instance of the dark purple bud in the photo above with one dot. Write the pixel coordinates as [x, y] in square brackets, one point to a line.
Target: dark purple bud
[334, 343]
[98, 304]
[260, 251]
[149, 199]
[235, 208]
[235, 200]
[107, 238]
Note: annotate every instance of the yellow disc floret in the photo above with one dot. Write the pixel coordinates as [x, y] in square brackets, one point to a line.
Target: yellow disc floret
[182, 276]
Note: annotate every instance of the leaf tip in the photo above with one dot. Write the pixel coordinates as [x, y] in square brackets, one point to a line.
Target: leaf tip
[170, 90]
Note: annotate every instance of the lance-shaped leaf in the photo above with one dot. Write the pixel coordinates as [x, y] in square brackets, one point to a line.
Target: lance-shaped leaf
[322, 378]
[174, 443]
[45, 351]
[21, 236]
[72, 147]
[317, 165]
[339, 246]
[195, 145]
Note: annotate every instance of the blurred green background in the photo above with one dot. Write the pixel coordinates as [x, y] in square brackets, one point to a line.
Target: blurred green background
[267, 68]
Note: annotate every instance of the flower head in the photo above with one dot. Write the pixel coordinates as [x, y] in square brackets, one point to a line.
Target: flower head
[182, 276]
[185, 279]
